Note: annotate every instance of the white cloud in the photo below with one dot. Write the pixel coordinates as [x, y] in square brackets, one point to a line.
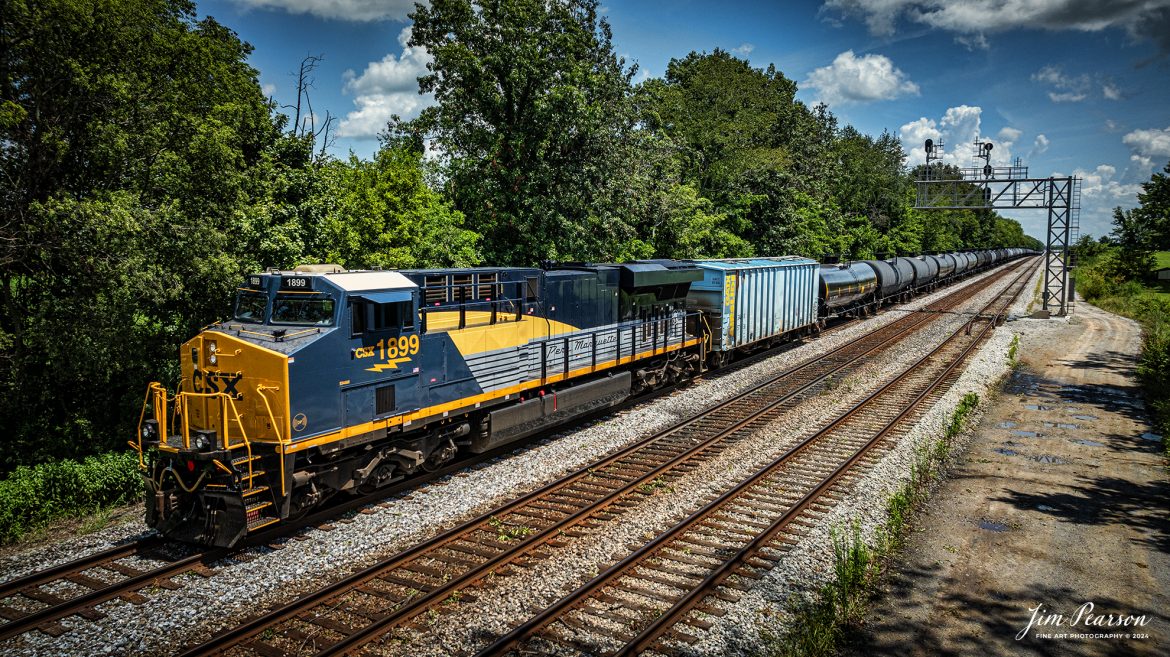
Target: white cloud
[386, 87]
[1150, 147]
[743, 50]
[971, 19]
[859, 79]
[914, 136]
[1069, 89]
[346, 10]
[958, 129]
[1100, 184]
[1039, 146]
[1009, 134]
[268, 89]
[1110, 92]
[973, 41]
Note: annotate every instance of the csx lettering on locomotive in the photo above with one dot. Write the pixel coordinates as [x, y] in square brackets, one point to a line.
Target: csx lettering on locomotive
[215, 381]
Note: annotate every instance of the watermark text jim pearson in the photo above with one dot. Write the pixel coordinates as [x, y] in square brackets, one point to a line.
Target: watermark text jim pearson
[1083, 617]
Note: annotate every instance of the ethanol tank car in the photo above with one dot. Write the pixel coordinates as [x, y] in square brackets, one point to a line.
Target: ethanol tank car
[848, 289]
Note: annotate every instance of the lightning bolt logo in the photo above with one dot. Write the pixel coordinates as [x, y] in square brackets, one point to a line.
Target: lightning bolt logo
[391, 364]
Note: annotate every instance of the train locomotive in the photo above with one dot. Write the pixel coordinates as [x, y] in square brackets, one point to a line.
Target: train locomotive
[326, 381]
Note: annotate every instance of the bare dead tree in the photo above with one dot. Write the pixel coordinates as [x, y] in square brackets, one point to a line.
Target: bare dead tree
[325, 136]
[306, 80]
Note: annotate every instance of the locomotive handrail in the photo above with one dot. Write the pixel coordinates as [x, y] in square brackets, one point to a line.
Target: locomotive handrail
[226, 401]
[260, 390]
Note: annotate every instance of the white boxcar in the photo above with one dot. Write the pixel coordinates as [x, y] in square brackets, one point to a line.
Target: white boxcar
[752, 299]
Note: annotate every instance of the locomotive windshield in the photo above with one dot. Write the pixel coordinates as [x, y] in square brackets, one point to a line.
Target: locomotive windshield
[250, 307]
[306, 311]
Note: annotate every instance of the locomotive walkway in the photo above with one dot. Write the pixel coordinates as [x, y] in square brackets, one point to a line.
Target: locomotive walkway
[1060, 501]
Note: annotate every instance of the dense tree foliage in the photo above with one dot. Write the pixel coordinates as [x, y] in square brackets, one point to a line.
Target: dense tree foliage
[1154, 208]
[530, 112]
[142, 172]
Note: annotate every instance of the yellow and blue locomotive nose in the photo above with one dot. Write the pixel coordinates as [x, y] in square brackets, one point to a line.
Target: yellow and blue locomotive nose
[253, 376]
[218, 470]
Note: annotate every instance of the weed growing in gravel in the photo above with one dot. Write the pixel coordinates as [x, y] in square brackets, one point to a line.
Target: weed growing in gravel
[96, 521]
[1013, 351]
[819, 625]
[658, 482]
[506, 531]
[852, 559]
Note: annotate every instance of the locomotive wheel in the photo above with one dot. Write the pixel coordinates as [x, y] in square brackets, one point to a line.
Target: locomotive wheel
[383, 475]
[439, 458]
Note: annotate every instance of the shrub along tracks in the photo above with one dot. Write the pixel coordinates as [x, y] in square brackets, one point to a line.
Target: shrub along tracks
[393, 592]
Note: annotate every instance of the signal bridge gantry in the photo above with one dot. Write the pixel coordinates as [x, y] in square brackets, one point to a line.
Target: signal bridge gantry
[990, 187]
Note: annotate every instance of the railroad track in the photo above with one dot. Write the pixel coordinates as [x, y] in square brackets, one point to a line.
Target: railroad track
[639, 603]
[39, 600]
[349, 613]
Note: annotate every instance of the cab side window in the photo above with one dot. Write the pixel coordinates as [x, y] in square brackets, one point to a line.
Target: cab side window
[393, 316]
[358, 311]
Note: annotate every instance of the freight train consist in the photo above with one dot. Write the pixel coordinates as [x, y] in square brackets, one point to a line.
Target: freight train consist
[328, 381]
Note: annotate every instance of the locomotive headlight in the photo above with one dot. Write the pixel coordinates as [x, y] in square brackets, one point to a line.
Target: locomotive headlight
[211, 359]
[200, 442]
[211, 346]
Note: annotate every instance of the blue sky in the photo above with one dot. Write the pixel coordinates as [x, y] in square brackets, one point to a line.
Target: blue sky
[1077, 87]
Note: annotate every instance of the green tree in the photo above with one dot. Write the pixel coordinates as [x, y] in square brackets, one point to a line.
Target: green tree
[1133, 237]
[746, 144]
[532, 106]
[383, 214]
[1154, 208]
[870, 181]
[133, 139]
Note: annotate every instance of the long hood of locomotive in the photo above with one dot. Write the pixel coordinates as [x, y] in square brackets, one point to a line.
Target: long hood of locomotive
[331, 386]
[255, 377]
[342, 386]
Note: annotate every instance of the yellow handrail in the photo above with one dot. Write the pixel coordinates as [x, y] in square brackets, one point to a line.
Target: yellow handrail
[226, 402]
[156, 395]
[260, 389]
[141, 418]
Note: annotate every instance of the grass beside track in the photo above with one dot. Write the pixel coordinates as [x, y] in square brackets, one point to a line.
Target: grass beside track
[31, 497]
[820, 625]
[1148, 303]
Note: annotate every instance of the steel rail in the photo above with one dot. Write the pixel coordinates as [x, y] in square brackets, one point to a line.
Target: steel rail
[20, 622]
[692, 599]
[52, 573]
[89, 599]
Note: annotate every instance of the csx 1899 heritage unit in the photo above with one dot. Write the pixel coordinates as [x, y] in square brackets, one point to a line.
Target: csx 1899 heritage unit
[328, 381]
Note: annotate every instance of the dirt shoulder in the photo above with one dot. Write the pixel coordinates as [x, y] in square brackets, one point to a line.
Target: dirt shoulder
[1059, 500]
